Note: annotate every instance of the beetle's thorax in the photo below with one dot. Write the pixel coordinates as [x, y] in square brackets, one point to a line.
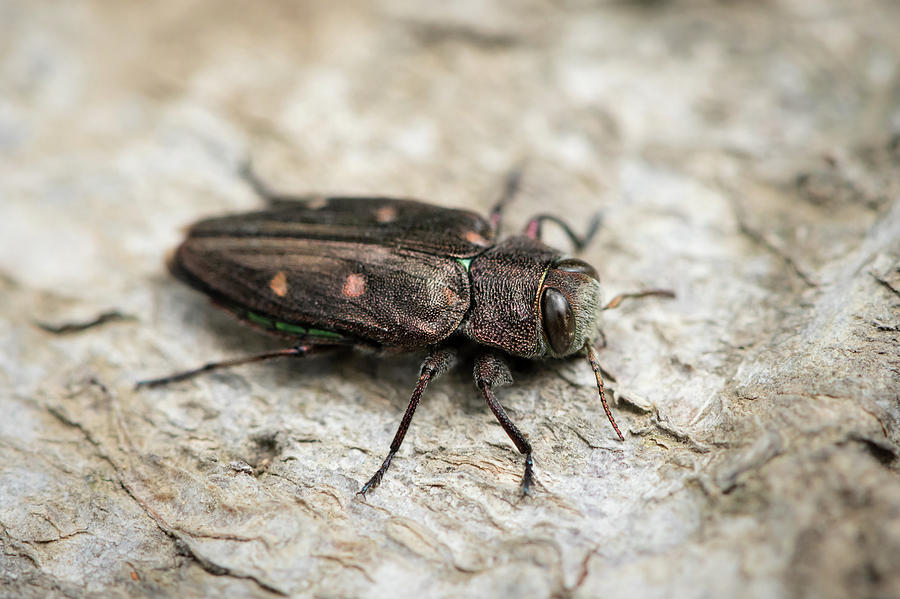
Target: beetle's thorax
[508, 284]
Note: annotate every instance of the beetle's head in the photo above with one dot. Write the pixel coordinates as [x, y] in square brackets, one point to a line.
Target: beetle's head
[570, 307]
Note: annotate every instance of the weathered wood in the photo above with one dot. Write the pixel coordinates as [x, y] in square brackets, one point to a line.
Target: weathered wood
[743, 154]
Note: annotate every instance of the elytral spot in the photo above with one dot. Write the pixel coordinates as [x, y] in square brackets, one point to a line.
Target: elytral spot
[386, 214]
[278, 284]
[354, 286]
[450, 296]
[476, 238]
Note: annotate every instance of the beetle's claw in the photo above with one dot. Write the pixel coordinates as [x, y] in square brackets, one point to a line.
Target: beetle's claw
[371, 484]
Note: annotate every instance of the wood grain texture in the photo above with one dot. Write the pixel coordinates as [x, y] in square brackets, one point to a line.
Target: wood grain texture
[743, 154]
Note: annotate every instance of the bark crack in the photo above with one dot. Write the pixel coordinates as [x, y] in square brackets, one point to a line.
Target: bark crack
[169, 530]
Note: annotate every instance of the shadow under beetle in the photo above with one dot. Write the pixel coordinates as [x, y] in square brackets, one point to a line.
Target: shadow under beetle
[394, 275]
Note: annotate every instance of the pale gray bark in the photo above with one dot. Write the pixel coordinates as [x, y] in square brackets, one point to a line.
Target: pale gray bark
[744, 154]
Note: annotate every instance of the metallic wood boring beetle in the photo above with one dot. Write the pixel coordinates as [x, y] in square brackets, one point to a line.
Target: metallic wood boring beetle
[397, 275]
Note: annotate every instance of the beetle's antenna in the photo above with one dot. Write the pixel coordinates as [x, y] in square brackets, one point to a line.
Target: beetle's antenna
[596, 367]
[614, 302]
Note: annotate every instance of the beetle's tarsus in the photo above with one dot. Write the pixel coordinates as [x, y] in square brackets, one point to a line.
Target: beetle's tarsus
[376, 478]
[528, 477]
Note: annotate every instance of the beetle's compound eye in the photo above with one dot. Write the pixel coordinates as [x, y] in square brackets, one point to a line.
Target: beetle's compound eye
[573, 265]
[558, 320]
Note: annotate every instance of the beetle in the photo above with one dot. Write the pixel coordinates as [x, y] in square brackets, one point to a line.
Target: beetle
[396, 275]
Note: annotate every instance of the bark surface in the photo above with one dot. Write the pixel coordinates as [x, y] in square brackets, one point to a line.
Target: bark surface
[744, 154]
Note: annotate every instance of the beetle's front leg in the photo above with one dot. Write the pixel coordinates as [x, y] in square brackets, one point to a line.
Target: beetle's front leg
[491, 371]
[438, 362]
[533, 229]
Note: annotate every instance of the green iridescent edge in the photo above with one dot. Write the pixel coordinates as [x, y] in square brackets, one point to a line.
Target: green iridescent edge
[290, 328]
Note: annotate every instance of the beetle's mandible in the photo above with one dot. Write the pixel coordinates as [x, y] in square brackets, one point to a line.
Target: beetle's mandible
[395, 275]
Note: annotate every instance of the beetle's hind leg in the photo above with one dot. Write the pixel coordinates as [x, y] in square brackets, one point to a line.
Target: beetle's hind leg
[438, 362]
[259, 187]
[298, 351]
[273, 198]
[490, 372]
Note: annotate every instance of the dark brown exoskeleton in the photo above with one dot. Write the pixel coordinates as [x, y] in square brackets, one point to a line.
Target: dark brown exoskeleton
[399, 276]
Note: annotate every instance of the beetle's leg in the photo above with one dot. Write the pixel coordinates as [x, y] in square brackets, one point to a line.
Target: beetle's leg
[77, 327]
[296, 351]
[533, 229]
[510, 189]
[256, 184]
[490, 372]
[614, 302]
[273, 198]
[596, 367]
[438, 362]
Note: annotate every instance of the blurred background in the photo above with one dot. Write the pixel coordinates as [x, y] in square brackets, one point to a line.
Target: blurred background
[744, 154]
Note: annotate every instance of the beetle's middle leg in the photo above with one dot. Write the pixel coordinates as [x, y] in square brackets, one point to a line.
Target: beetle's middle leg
[510, 189]
[438, 362]
[490, 372]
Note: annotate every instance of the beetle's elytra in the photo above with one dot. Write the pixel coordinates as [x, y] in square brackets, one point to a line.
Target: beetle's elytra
[395, 275]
